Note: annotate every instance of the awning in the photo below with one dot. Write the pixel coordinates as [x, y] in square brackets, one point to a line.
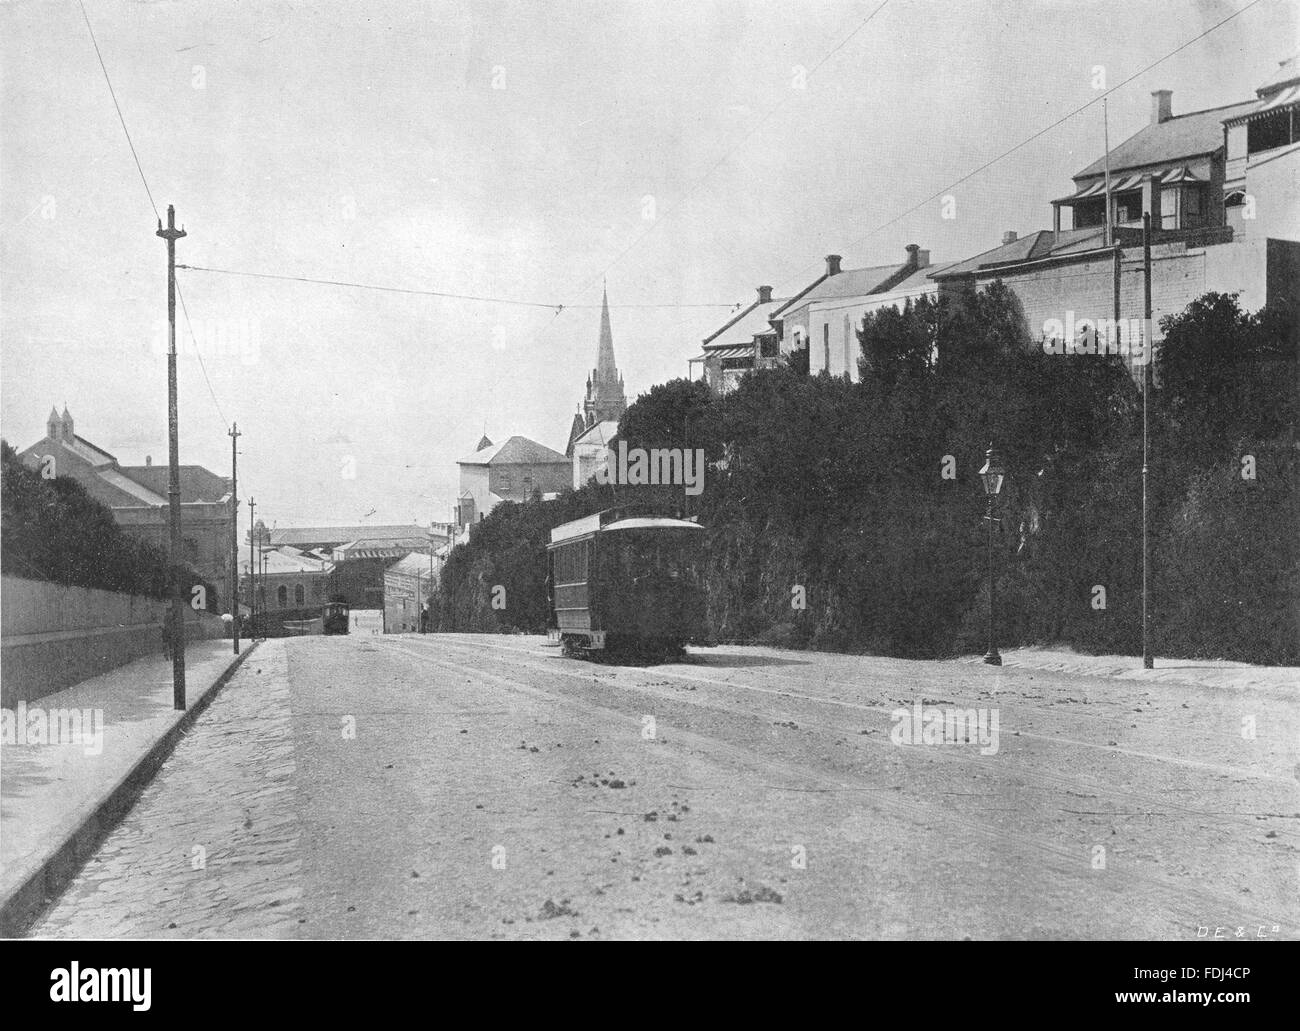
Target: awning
[746, 351]
[1098, 189]
[1179, 175]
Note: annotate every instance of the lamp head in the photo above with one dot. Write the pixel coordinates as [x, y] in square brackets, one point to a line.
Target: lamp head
[992, 473]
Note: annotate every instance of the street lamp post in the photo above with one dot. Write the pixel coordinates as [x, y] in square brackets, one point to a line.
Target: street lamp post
[992, 474]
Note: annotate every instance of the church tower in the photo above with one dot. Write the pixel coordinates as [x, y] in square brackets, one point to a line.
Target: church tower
[605, 400]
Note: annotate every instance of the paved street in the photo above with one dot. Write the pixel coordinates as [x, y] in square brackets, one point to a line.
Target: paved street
[483, 786]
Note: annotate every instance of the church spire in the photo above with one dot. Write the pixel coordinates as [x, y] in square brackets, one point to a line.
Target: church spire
[606, 369]
[605, 399]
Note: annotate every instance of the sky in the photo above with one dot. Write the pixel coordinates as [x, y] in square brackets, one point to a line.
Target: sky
[681, 153]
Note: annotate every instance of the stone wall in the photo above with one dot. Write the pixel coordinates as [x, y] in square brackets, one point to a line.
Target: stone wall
[53, 635]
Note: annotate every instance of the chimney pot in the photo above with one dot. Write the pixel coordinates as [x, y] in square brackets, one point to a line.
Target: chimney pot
[764, 295]
[913, 254]
[1010, 236]
[148, 461]
[1162, 106]
[832, 264]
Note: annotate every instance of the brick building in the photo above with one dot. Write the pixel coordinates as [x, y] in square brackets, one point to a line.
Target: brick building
[407, 586]
[137, 497]
[288, 582]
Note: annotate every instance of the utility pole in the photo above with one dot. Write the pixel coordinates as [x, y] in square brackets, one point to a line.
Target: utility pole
[252, 583]
[1105, 122]
[1148, 662]
[234, 532]
[171, 234]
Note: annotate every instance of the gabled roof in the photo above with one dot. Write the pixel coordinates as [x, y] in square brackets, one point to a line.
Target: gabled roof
[515, 451]
[918, 279]
[601, 433]
[1042, 243]
[80, 446]
[279, 561]
[851, 283]
[411, 565]
[1288, 72]
[343, 534]
[196, 483]
[1177, 138]
[742, 329]
[735, 320]
[142, 494]
[1028, 247]
[91, 452]
[792, 302]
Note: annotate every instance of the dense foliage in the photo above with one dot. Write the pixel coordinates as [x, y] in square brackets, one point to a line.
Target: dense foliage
[54, 530]
[867, 496]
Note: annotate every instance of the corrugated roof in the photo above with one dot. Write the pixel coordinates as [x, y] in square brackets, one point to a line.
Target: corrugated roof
[515, 451]
[375, 543]
[1182, 136]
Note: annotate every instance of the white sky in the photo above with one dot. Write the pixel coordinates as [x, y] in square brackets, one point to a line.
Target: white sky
[309, 113]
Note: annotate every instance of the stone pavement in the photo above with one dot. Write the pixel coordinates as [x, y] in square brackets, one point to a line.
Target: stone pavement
[212, 846]
[75, 753]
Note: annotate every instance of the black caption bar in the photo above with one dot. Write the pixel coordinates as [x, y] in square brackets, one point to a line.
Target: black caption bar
[141, 980]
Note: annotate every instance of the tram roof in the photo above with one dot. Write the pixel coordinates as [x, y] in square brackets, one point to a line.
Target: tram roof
[609, 520]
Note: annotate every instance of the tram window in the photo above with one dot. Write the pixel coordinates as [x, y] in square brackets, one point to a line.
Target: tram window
[571, 563]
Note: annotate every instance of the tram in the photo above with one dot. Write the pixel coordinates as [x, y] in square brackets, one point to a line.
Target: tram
[334, 618]
[620, 582]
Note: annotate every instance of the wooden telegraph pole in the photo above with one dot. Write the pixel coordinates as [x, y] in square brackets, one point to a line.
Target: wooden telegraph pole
[1148, 660]
[171, 234]
[234, 532]
[252, 578]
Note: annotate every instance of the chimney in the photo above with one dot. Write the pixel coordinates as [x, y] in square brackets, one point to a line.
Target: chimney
[922, 258]
[148, 461]
[764, 295]
[1010, 236]
[832, 264]
[1162, 106]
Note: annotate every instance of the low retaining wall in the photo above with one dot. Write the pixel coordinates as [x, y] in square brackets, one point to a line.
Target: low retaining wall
[53, 636]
